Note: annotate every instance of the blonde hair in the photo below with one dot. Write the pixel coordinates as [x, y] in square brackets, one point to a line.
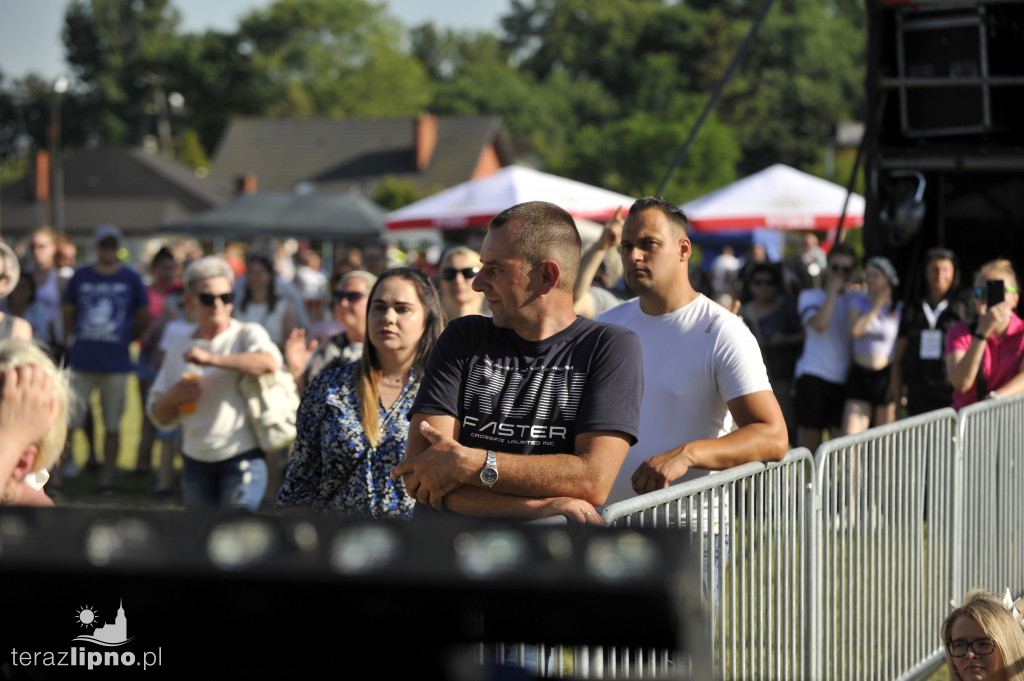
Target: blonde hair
[459, 250]
[997, 623]
[1001, 265]
[16, 353]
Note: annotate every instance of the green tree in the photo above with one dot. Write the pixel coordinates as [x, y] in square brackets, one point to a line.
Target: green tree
[335, 58]
[394, 192]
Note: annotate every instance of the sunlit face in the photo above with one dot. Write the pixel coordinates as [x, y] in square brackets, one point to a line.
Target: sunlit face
[939, 276]
[460, 289]
[351, 314]
[218, 315]
[43, 250]
[397, 318]
[652, 252]
[875, 280]
[974, 667]
[507, 281]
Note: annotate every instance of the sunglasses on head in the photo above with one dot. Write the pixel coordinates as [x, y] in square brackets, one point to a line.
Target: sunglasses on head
[350, 296]
[209, 299]
[448, 273]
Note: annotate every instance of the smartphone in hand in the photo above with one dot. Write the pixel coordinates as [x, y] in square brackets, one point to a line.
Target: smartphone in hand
[995, 292]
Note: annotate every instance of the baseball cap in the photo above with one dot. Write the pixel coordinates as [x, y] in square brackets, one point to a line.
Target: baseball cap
[108, 232]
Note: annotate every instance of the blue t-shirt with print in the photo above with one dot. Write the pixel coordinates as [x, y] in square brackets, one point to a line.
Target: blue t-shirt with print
[105, 307]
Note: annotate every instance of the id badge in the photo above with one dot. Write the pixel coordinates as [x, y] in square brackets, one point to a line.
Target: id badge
[931, 344]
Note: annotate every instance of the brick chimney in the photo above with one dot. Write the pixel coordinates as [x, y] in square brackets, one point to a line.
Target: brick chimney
[426, 139]
[37, 182]
[245, 184]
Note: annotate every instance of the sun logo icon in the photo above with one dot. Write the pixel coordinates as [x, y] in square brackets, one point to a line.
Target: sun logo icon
[87, 616]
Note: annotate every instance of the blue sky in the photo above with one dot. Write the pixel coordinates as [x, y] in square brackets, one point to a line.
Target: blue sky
[30, 29]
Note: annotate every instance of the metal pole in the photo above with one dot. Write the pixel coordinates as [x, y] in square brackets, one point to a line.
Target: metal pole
[719, 89]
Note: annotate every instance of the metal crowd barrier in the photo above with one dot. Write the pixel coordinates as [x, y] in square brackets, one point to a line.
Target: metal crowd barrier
[884, 532]
[992, 495]
[841, 565]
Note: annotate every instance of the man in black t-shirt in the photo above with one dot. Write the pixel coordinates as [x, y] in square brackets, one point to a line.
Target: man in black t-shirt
[534, 379]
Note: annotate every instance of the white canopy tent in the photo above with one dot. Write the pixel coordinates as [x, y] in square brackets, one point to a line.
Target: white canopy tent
[778, 197]
[476, 202]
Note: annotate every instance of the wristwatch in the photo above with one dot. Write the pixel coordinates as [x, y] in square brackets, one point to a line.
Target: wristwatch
[489, 473]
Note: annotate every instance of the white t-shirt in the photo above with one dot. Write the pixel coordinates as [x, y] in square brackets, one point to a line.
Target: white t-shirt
[218, 430]
[696, 359]
[826, 355]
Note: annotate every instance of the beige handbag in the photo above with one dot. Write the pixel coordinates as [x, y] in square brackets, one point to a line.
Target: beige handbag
[272, 401]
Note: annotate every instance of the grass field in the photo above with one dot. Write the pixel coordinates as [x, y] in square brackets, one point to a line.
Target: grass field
[133, 491]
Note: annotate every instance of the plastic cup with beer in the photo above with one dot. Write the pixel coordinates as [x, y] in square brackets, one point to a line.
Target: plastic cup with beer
[192, 373]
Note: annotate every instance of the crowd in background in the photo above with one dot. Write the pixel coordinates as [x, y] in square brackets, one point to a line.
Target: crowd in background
[847, 345]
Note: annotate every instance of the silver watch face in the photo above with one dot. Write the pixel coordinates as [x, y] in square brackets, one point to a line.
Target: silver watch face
[489, 476]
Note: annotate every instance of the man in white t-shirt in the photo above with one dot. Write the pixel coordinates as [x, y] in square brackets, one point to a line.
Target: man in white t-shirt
[702, 366]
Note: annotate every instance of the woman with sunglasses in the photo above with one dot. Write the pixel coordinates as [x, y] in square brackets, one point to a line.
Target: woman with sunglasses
[983, 641]
[986, 359]
[354, 418]
[349, 294]
[458, 268]
[224, 465]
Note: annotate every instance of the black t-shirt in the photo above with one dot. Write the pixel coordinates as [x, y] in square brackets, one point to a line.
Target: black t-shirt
[524, 397]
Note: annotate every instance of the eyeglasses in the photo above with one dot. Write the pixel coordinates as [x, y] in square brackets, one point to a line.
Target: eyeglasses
[209, 299]
[762, 282]
[448, 273]
[980, 646]
[981, 292]
[107, 243]
[351, 297]
[845, 269]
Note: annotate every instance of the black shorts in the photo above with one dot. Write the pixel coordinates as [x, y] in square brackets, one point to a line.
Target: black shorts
[870, 385]
[818, 403]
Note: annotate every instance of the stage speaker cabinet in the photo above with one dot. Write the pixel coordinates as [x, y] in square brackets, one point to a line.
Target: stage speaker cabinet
[952, 75]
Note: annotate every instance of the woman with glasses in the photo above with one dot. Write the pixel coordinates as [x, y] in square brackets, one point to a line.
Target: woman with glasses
[349, 294]
[197, 386]
[354, 418]
[985, 359]
[773, 320]
[983, 641]
[918, 369]
[458, 268]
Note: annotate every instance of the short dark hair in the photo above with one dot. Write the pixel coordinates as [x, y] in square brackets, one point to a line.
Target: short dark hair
[546, 231]
[673, 212]
[771, 269]
[844, 249]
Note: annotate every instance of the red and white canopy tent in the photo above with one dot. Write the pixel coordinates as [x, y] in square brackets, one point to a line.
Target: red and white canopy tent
[778, 197]
[476, 202]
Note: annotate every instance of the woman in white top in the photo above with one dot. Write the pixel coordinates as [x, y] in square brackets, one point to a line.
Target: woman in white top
[224, 465]
[261, 302]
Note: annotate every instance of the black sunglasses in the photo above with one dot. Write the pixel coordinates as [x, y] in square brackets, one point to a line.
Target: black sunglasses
[209, 299]
[841, 268]
[448, 273]
[350, 296]
[763, 282]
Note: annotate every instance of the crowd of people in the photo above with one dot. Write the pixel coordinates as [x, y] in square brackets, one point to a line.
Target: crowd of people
[420, 383]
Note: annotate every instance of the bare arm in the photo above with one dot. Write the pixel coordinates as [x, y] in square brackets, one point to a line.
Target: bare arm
[252, 363]
[858, 321]
[436, 464]
[583, 302]
[21, 329]
[69, 310]
[165, 410]
[823, 317]
[761, 436]
[140, 322]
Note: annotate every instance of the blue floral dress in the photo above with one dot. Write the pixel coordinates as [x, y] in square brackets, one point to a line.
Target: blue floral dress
[333, 469]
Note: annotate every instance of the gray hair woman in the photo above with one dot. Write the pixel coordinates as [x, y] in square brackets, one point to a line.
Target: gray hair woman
[197, 387]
